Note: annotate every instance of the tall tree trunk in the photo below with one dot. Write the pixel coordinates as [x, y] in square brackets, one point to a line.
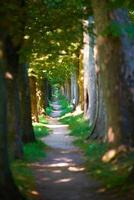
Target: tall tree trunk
[14, 120]
[109, 52]
[113, 69]
[8, 191]
[26, 117]
[81, 81]
[33, 89]
[93, 98]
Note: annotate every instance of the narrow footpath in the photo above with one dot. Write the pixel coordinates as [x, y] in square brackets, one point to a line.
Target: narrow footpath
[62, 174]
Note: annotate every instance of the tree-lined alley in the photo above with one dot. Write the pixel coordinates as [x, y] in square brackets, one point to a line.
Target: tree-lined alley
[82, 49]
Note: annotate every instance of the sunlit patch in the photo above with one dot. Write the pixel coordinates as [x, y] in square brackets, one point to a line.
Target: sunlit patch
[8, 75]
[34, 192]
[101, 190]
[76, 169]
[64, 164]
[108, 156]
[26, 37]
[64, 180]
[57, 171]
[111, 135]
[63, 159]
[56, 126]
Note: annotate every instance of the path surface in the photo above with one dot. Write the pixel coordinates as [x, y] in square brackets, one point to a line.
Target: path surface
[62, 175]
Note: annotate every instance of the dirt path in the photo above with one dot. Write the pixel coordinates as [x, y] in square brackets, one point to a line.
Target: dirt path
[62, 175]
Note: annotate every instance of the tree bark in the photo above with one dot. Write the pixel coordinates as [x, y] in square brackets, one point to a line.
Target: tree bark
[26, 117]
[33, 89]
[8, 191]
[109, 52]
[14, 121]
[118, 98]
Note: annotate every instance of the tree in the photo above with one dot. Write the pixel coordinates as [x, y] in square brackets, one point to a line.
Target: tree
[114, 67]
[7, 185]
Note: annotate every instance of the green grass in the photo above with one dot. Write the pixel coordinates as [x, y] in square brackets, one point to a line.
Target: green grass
[24, 179]
[114, 173]
[21, 168]
[34, 151]
[42, 119]
[66, 107]
[40, 130]
[49, 110]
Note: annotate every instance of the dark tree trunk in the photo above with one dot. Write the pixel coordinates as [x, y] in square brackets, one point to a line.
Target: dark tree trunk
[26, 117]
[33, 89]
[8, 191]
[14, 120]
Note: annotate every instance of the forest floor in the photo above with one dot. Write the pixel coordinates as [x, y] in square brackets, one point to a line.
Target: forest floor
[62, 174]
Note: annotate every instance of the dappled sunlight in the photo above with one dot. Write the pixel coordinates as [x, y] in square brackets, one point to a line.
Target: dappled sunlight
[64, 159]
[108, 156]
[34, 193]
[113, 153]
[76, 169]
[111, 135]
[101, 190]
[8, 75]
[62, 164]
[64, 180]
[52, 126]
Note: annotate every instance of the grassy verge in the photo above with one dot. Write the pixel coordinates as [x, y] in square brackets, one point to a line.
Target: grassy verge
[48, 110]
[21, 168]
[66, 107]
[112, 173]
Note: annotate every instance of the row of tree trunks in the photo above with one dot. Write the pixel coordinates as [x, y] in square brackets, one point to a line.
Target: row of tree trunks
[41, 94]
[74, 89]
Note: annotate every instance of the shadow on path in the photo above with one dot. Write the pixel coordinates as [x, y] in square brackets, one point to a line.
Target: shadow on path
[62, 175]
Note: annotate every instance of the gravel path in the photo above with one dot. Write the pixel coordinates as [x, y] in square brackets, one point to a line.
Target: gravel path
[62, 175]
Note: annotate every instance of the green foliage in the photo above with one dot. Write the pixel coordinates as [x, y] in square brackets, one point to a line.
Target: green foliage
[78, 125]
[53, 41]
[66, 107]
[34, 151]
[48, 110]
[11, 19]
[42, 119]
[40, 130]
[24, 178]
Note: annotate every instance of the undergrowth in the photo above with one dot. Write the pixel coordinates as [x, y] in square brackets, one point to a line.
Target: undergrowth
[66, 107]
[113, 174]
[48, 110]
[33, 152]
